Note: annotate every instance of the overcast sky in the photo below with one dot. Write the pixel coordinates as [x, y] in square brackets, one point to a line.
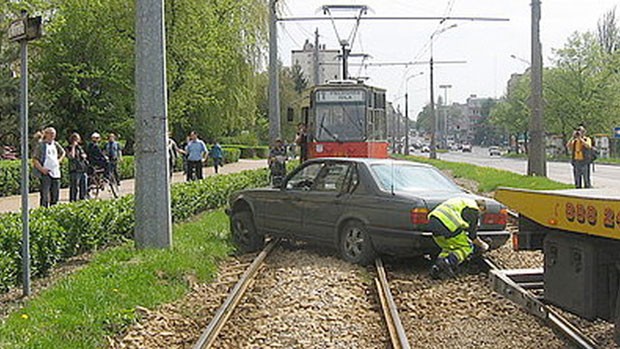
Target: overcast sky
[486, 46]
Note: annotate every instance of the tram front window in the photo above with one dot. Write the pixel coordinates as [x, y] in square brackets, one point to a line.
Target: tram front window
[340, 122]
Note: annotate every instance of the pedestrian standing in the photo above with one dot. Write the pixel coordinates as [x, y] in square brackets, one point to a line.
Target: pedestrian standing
[196, 154]
[46, 161]
[112, 150]
[579, 146]
[173, 153]
[217, 154]
[454, 225]
[77, 168]
[301, 139]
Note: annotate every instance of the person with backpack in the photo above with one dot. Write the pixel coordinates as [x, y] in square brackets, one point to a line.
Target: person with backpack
[78, 165]
[46, 161]
[580, 147]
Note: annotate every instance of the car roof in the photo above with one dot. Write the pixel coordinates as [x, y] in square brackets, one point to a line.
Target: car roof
[372, 161]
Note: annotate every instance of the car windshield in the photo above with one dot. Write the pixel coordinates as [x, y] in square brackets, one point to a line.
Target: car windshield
[411, 178]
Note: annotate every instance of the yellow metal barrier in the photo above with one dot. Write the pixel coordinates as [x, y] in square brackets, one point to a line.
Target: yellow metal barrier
[586, 211]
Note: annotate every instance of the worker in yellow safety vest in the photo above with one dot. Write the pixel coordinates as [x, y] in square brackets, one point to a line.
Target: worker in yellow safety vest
[454, 224]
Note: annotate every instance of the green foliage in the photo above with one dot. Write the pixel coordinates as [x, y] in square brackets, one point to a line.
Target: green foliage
[62, 231]
[100, 300]
[252, 152]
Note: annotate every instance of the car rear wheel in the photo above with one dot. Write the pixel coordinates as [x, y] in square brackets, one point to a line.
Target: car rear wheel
[355, 245]
[244, 234]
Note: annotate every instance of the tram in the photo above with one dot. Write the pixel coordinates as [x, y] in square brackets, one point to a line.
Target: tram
[346, 119]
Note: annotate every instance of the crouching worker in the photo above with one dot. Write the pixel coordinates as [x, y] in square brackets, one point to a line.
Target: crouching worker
[454, 225]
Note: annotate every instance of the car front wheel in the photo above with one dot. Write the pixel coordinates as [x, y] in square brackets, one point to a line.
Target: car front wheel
[244, 234]
[355, 245]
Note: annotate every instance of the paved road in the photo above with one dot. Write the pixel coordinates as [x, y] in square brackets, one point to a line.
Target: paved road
[604, 176]
[13, 203]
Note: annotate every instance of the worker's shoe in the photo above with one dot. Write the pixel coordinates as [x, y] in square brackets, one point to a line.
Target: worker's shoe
[443, 266]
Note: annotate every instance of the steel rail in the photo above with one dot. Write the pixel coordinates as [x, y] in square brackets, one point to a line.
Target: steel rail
[390, 312]
[234, 297]
[516, 293]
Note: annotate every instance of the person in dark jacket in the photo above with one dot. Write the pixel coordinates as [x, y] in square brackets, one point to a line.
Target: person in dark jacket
[217, 154]
[78, 165]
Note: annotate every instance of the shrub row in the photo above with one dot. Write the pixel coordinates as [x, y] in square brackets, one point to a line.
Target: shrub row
[66, 230]
[250, 152]
[10, 172]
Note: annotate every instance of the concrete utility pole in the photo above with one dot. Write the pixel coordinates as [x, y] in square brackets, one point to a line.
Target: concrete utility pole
[445, 114]
[536, 163]
[317, 73]
[153, 219]
[274, 77]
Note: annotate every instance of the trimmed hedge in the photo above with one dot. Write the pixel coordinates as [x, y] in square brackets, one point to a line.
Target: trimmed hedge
[10, 172]
[66, 230]
[251, 152]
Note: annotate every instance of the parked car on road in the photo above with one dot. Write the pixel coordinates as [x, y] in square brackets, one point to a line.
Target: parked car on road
[466, 148]
[426, 149]
[494, 151]
[362, 207]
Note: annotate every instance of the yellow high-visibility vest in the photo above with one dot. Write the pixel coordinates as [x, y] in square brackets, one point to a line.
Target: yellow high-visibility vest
[450, 212]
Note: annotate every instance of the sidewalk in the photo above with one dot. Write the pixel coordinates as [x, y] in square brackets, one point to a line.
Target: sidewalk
[13, 203]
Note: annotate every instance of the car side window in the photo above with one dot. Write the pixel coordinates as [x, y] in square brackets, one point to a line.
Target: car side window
[304, 179]
[331, 178]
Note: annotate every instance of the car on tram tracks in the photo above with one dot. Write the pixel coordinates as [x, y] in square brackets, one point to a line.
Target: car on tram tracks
[360, 206]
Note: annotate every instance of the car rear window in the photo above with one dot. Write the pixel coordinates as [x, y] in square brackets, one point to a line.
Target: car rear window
[411, 178]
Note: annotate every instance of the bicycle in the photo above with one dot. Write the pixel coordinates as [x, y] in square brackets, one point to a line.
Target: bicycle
[99, 182]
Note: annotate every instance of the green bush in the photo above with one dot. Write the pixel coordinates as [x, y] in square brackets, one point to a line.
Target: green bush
[10, 172]
[63, 231]
[251, 152]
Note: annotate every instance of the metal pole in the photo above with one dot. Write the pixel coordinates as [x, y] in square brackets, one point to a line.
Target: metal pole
[406, 123]
[274, 77]
[536, 165]
[25, 167]
[153, 219]
[345, 57]
[433, 153]
[317, 73]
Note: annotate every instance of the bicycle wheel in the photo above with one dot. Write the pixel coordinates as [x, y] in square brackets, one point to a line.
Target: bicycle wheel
[113, 185]
[93, 189]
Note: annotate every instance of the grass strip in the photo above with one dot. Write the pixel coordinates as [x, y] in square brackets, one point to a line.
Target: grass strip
[489, 178]
[100, 300]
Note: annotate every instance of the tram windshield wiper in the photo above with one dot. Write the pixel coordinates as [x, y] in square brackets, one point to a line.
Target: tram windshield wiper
[329, 133]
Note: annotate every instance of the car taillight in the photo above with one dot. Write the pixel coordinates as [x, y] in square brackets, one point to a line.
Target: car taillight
[515, 242]
[496, 218]
[419, 215]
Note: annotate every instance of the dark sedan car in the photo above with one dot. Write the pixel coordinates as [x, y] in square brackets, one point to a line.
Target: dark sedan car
[361, 206]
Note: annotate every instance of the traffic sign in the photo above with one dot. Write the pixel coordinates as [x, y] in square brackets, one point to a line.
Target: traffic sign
[617, 132]
[29, 28]
[17, 30]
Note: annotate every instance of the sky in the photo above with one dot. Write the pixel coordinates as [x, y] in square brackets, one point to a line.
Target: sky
[485, 46]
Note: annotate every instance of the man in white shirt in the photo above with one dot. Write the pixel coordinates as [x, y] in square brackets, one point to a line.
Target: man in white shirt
[46, 160]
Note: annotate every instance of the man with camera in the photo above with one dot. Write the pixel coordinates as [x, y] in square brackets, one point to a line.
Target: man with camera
[580, 147]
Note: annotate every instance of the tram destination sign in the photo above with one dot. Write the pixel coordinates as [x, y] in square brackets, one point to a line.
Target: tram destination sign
[327, 96]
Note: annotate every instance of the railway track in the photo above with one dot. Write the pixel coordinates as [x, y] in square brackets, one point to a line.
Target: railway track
[397, 335]
[525, 287]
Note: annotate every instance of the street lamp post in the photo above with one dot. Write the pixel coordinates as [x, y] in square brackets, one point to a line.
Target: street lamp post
[445, 116]
[407, 111]
[433, 153]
